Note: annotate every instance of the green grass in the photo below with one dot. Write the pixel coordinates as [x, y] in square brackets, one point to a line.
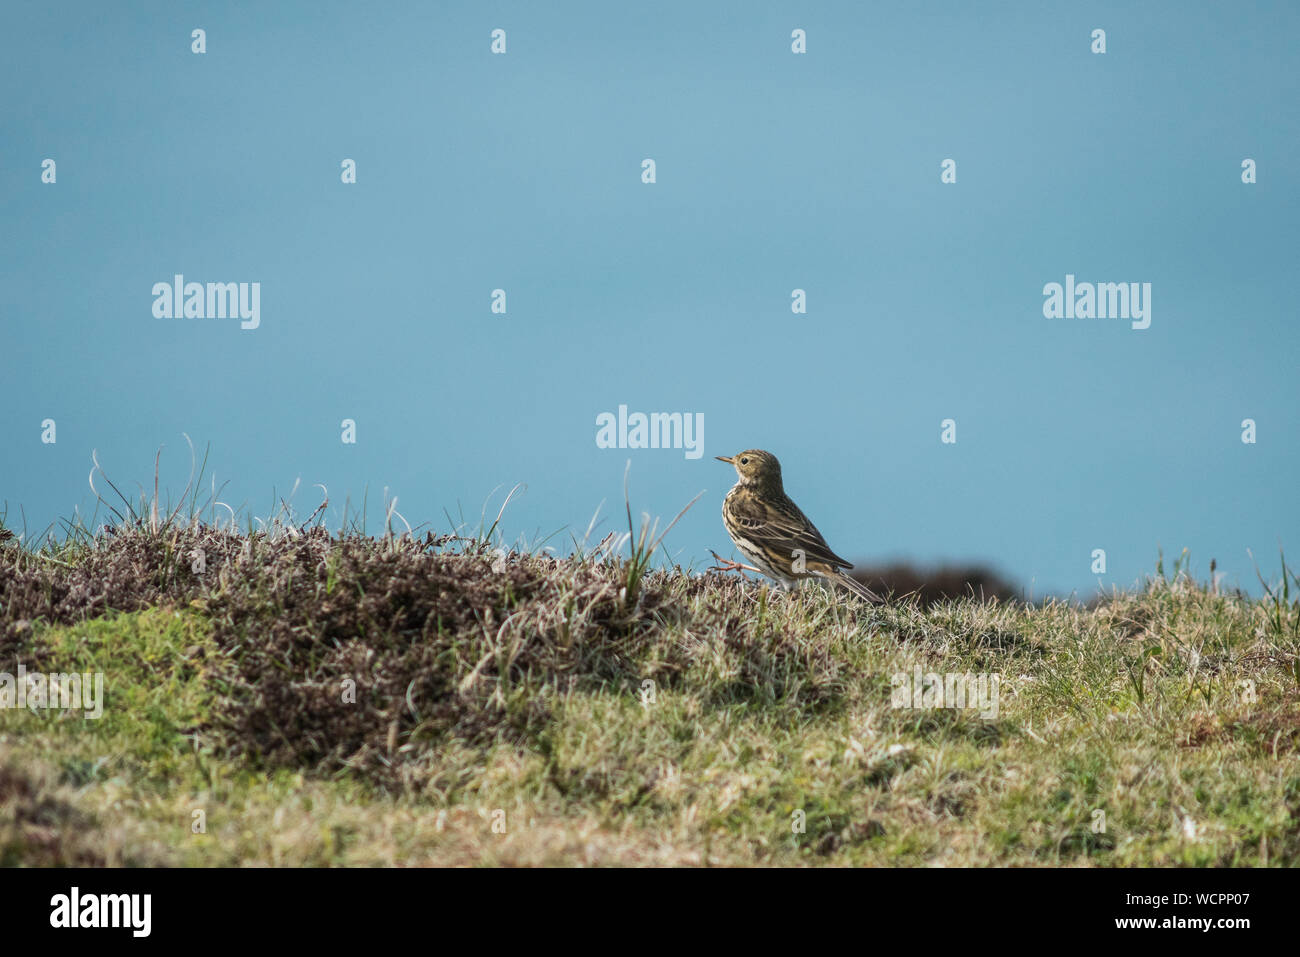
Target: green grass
[523, 711]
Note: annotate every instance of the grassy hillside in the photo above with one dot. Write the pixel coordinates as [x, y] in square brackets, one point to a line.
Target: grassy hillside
[297, 697]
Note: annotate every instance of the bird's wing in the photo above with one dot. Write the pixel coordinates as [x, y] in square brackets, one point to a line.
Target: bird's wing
[782, 528]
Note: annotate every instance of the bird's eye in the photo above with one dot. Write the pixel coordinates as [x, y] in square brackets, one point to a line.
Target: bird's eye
[744, 461]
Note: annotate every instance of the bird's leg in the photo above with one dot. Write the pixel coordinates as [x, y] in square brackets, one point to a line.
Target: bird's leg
[727, 565]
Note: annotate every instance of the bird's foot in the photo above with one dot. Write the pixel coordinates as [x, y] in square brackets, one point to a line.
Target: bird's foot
[727, 565]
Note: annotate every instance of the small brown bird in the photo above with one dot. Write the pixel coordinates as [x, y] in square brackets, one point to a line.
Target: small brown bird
[772, 533]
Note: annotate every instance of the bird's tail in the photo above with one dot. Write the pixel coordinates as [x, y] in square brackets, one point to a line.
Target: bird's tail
[855, 586]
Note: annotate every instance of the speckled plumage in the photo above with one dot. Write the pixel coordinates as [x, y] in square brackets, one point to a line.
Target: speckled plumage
[770, 530]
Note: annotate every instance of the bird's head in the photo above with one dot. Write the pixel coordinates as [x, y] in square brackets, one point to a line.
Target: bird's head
[755, 467]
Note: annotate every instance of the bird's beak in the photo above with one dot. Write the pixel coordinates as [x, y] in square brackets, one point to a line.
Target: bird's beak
[724, 458]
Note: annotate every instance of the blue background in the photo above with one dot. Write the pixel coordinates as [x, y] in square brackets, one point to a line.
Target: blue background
[775, 171]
